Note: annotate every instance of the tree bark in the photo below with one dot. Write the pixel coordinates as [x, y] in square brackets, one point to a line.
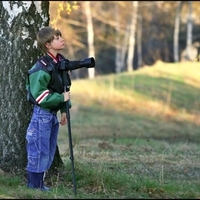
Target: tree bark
[118, 64]
[176, 31]
[91, 52]
[189, 31]
[57, 161]
[21, 21]
[131, 49]
[139, 42]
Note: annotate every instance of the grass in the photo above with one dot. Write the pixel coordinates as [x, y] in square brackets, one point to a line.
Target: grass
[135, 135]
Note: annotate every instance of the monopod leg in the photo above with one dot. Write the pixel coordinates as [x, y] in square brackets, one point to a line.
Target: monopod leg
[70, 146]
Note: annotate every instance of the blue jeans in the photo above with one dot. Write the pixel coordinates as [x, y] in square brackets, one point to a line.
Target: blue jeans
[41, 137]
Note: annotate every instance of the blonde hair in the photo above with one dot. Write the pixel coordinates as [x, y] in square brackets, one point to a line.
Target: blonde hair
[46, 35]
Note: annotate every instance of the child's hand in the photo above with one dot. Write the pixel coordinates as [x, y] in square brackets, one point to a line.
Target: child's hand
[63, 120]
[66, 96]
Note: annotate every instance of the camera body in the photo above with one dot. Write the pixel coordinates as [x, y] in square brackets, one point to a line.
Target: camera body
[66, 65]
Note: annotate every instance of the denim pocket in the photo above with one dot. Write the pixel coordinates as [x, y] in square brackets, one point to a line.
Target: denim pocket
[32, 147]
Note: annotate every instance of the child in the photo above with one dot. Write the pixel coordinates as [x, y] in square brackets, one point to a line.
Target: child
[46, 86]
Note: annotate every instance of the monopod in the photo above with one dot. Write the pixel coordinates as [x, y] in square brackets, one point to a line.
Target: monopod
[65, 66]
[67, 84]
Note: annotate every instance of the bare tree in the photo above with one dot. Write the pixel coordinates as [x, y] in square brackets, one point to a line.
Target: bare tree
[91, 52]
[176, 31]
[132, 37]
[139, 42]
[189, 31]
[118, 60]
[121, 39]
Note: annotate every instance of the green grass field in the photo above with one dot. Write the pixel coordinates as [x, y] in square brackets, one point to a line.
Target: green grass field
[135, 135]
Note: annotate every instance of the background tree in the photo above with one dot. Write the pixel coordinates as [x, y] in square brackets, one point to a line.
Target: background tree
[139, 41]
[154, 38]
[21, 21]
[132, 36]
[176, 31]
[121, 38]
[189, 32]
[90, 37]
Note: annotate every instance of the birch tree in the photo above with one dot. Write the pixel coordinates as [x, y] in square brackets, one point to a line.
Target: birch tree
[118, 61]
[139, 42]
[132, 37]
[189, 31]
[121, 39]
[176, 31]
[90, 37]
[20, 21]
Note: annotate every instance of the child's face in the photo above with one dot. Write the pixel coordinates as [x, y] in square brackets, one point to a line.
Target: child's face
[58, 43]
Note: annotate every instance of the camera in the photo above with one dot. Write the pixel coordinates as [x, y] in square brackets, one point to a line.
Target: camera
[66, 64]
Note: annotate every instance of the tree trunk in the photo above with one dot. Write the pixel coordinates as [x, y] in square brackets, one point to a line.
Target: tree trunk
[139, 42]
[21, 22]
[132, 37]
[118, 63]
[189, 31]
[121, 41]
[57, 161]
[176, 32]
[91, 72]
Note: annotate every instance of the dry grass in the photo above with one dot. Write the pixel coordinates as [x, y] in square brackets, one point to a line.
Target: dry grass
[135, 135]
[129, 131]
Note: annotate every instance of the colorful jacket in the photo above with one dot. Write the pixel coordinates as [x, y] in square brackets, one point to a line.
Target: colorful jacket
[46, 83]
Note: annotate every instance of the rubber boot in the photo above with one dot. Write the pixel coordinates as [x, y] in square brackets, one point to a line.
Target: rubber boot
[36, 181]
[46, 188]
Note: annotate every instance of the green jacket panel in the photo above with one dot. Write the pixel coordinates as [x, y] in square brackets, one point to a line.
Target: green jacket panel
[46, 87]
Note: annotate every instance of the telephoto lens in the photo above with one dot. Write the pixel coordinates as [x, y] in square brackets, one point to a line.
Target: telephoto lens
[66, 64]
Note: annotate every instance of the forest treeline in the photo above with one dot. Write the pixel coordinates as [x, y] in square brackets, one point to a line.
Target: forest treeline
[127, 35]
